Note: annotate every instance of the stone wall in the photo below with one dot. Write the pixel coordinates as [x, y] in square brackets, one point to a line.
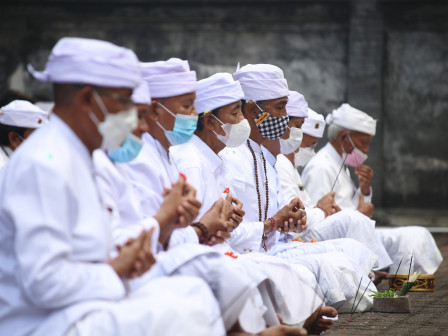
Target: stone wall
[386, 57]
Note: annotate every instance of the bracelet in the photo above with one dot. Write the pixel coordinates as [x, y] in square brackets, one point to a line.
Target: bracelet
[204, 232]
[325, 211]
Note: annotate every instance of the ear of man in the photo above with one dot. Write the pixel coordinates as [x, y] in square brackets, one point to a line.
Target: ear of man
[153, 111]
[251, 110]
[14, 140]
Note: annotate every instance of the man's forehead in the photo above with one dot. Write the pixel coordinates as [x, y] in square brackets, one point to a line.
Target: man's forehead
[360, 135]
[282, 100]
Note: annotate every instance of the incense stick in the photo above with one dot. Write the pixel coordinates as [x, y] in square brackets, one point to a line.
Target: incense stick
[343, 162]
[365, 290]
[360, 299]
[395, 276]
[356, 294]
[354, 300]
[410, 264]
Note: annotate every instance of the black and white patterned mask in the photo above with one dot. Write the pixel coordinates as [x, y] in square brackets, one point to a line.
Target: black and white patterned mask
[269, 126]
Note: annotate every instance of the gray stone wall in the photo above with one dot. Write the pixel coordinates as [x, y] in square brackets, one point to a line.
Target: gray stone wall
[386, 57]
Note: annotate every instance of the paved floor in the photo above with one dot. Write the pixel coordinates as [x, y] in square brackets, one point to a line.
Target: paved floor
[429, 315]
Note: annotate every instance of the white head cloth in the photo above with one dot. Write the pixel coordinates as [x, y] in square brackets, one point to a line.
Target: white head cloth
[22, 113]
[352, 119]
[314, 124]
[77, 60]
[217, 91]
[141, 94]
[262, 82]
[297, 105]
[169, 78]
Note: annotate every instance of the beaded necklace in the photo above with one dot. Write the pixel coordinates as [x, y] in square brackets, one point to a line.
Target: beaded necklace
[260, 218]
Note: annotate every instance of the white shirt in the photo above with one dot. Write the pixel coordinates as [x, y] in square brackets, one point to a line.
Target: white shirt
[239, 172]
[321, 172]
[204, 171]
[121, 201]
[151, 171]
[54, 235]
[292, 186]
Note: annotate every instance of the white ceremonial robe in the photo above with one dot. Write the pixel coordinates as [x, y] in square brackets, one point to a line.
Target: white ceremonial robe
[122, 202]
[55, 242]
[344, 224]
[151, 171]
[400, 243]
[239, 173]
[203, 169]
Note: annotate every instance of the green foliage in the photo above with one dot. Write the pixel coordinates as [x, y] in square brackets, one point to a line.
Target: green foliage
[388, 293]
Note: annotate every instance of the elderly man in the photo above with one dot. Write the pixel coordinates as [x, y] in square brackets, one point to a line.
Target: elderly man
[57, 276]
[350, 132]
[323, 222]
[18, 120]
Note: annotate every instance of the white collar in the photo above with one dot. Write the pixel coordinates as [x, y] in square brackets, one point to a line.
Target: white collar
[214, 160]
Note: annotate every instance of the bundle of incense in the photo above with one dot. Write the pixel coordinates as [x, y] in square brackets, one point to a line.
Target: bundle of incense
[354, 301]
[354, 310]
[408, 284]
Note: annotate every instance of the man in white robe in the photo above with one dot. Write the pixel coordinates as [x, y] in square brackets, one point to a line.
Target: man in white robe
[323, 222]
[18, 120]
[56, 274]
[350, 132]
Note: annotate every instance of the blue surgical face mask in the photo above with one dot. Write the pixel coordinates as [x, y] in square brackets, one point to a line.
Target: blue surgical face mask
[128, 151]
[184, 127]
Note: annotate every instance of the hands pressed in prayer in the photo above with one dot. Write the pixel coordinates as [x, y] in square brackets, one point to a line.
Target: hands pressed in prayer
[365, 176]
[291, 217]
[135, 257]
[366, 208]
[328, 205]
[216, 222]
[233, 211]
[178, 209]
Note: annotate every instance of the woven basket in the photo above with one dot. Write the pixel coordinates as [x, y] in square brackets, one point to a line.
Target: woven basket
[424, 283]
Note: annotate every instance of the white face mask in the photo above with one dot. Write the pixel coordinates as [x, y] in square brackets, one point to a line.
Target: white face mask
[236, 134]
[115, 127]
[293, 142]
[302, 157]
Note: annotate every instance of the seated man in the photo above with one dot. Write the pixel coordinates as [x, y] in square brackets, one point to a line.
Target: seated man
[18, 120]
[56, 274]
[323, 222]
[350, 132]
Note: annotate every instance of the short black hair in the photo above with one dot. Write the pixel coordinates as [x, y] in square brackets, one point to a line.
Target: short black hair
[64, 93]
[4, 131]
[200, 125]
